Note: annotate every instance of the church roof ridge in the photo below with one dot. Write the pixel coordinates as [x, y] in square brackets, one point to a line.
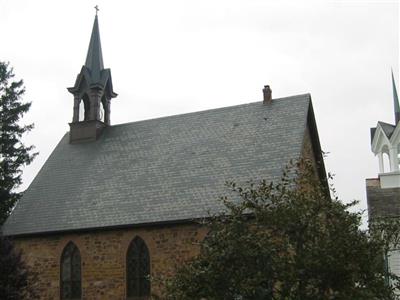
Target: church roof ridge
[302, 96]
[386, 123]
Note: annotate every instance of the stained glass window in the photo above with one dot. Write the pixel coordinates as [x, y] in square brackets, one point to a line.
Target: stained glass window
[71, 273]
[138, 270]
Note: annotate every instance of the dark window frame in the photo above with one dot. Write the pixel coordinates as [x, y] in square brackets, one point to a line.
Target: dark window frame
[71, 284]
[138, 286]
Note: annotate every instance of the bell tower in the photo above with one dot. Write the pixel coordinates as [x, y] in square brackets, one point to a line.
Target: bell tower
[385, 142]
[93, 91]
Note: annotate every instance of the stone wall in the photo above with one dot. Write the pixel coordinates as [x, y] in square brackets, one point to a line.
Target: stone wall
[308, 152]
[382, 202]
[103, 256]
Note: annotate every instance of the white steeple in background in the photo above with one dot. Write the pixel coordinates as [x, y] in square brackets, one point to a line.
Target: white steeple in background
[386, 142]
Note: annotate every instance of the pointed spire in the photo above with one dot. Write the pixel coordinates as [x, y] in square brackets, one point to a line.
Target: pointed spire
[93, 86]
[396, 102]
[94, 58]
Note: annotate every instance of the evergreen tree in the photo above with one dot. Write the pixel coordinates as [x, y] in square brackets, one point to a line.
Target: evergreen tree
[13, 156]
[14, 274]
[13, 153]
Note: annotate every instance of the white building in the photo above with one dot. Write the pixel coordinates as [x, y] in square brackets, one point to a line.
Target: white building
[383, 193]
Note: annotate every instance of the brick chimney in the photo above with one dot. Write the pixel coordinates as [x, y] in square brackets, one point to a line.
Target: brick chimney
[267, 94]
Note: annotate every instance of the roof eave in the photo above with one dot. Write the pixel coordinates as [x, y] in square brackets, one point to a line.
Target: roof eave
[106, 228]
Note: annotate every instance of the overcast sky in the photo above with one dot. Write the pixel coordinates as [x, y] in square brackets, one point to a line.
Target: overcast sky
[172, 57]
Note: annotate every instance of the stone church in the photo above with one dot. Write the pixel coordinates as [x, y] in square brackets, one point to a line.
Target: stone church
[383, 193]
[115, 205]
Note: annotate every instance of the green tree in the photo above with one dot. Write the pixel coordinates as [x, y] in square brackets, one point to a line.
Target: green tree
[13, 156]
[14, 274]
[286, 240]
[387, 230]
[13, 153]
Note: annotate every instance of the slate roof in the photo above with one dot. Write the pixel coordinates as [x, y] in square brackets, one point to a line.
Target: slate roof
[161, 170]
[387, 128]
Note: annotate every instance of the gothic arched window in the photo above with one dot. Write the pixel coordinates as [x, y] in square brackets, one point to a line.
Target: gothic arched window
[70, 273]
[138, 270]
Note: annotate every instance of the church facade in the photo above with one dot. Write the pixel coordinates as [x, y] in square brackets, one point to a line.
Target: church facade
[115, 209]
[383, 193]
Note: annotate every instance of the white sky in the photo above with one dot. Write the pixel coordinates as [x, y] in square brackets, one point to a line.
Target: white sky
[172, 57]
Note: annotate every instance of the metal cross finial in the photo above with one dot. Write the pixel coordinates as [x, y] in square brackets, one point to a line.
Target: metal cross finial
[97, 9]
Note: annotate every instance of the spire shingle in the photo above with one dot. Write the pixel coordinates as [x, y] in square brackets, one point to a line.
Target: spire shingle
[396, 102]
[94, 58]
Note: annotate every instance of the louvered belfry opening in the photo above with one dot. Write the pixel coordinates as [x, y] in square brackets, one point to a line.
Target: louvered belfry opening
[70, 273]
[138, 270]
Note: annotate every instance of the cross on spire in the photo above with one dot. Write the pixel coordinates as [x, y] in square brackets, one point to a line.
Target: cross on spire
[97, 9]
